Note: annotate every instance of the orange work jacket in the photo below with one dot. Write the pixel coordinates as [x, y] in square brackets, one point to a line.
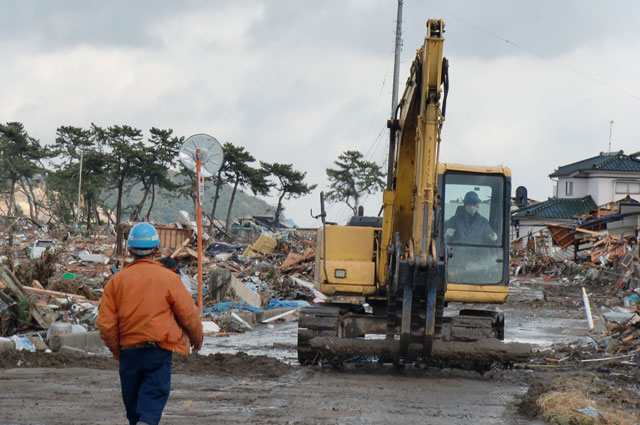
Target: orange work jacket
[148, 302]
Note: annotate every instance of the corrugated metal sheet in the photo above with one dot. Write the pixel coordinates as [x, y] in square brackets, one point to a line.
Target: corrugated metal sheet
[171, 237]
[559, 255]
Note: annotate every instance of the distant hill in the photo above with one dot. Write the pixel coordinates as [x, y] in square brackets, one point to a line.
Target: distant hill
[166, 208]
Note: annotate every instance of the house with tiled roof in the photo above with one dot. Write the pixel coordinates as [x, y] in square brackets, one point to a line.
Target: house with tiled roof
[607, 178]
[581, 187]
[533, 218]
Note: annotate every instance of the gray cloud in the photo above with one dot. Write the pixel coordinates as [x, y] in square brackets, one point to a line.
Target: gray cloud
[68, 23]
[549, 28]
[300, 82]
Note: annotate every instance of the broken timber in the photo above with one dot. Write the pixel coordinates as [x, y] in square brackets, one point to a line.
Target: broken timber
[180, 248]
[18, 290]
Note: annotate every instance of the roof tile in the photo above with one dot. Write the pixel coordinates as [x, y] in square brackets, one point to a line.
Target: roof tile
[616, 161]
[559, 208]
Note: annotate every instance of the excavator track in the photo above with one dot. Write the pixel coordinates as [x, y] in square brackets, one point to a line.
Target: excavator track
[316, 321]
[472, 325]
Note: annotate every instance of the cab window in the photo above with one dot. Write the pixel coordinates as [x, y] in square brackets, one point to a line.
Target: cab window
[474, 209]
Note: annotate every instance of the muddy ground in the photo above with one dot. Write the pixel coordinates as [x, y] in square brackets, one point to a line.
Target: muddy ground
[237, 388]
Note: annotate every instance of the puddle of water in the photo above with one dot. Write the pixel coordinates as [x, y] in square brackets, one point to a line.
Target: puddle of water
[278, 341]
[534, 325]
[541, 326]
[523, 323]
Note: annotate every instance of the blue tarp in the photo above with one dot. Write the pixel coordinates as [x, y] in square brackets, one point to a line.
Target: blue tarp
[225, 307]
[287, 304]
[230, 305]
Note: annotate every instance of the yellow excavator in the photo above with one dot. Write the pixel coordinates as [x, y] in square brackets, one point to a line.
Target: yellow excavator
[394, 275]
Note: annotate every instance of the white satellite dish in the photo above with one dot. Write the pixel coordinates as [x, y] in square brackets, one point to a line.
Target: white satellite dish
[210, 154]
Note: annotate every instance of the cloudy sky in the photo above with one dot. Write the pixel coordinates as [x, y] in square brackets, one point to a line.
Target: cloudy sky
[534, 84]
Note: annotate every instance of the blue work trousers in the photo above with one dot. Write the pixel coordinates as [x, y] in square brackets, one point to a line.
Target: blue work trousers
[145, 378]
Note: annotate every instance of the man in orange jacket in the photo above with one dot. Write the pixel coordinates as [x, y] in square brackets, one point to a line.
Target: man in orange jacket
[146, 313]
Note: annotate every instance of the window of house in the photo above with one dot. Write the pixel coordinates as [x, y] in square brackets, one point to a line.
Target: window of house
[568, 188]
[627, 188]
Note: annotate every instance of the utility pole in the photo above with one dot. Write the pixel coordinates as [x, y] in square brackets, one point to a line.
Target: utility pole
[396, 60]
[79, 187]
[200, 198]
[610, 130]
[392, 124]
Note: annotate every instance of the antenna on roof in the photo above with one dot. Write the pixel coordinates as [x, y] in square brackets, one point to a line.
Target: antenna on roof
[610, 129]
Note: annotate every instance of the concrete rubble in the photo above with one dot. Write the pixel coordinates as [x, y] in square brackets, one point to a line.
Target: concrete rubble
[51, 280]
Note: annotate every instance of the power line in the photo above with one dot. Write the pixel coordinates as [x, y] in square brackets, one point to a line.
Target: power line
[375, 110]
[372, 149]
[531, 52]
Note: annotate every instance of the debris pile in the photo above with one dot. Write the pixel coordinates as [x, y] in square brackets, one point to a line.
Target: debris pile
[613, 341]
[581, 255]
[605, 268]
[51, 279]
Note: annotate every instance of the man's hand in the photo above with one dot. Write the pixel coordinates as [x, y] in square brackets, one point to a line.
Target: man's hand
[196, 347]
[450, 232]
[493, 236]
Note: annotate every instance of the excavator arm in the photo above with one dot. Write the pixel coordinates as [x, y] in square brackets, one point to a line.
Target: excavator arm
[416, 273]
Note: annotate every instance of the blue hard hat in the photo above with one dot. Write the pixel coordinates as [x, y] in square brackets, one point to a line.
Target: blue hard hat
[143, 236]
[471, 198]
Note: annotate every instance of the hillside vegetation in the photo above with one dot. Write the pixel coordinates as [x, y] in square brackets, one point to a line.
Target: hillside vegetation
[167, 205]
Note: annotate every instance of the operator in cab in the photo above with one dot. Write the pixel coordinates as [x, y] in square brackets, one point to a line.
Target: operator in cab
[467, 226]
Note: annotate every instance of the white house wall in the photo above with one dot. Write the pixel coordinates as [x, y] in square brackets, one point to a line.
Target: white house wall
[606, 186]
[526, 229]
[580, 187]
[600, 190]
[601, 186]
[532, 225]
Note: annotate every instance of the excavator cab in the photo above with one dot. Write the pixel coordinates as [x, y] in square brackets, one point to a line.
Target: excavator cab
[478, 267]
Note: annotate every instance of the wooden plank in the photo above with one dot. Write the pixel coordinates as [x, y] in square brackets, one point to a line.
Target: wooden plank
[14, 287]
[180, 247]
[590, 232]
[39, 291]
[194, 254]
[6, 298]
[291, 260]
[191, 252]
[54, 293]
[226, 265]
